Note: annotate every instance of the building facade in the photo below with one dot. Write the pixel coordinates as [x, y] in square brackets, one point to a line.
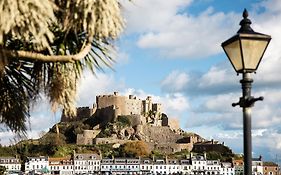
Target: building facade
[36, 165]
[61, 166]
[270, 168]
[86, 163]
[93, 164]
[120, 166]
[12, 164]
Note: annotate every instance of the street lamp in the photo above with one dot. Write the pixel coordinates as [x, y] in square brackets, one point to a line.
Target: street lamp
[245, 51]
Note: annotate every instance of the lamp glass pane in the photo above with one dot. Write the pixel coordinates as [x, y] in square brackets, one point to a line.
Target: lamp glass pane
[252, 52]
[234, 54]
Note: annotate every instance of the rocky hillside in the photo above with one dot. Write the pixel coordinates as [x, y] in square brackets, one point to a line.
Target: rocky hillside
[122, 129]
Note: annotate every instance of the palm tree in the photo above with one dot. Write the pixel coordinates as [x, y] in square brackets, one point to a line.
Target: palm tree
[45, 46]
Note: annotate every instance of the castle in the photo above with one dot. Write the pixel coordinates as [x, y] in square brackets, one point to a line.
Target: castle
[112, 106]
[148, 123]
[109, 107]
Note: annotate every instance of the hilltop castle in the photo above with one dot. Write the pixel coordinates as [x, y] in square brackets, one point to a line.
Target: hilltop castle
[147, 123]
[112, 106]
[109, 107]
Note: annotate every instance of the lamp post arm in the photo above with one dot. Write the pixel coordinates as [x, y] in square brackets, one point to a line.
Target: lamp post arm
[247, 100]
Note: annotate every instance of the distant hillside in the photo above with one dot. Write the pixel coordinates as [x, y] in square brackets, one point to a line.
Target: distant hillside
[115, 122]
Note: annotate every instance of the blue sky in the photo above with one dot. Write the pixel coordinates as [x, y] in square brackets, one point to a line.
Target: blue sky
[171, 50]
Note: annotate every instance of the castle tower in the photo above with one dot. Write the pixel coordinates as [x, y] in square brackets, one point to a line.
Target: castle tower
[147, 106]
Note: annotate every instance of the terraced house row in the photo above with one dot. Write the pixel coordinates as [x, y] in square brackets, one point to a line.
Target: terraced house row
[94, 164]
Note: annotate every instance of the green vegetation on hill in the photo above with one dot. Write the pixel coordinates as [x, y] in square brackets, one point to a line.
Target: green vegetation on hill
[123, 121]
[224, 157]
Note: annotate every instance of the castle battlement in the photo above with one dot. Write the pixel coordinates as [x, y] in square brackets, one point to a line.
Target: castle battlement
[128, 105]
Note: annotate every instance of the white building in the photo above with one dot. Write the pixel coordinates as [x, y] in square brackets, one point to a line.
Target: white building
[227, 168]
[120, 166]
[146, 166]
[257, 166]
[159, 166]
[173, 166]
[86, 163]
[185, 166]
[213, 167]
[61, 166]
[37, 165]
[11, 164]
[199, 164]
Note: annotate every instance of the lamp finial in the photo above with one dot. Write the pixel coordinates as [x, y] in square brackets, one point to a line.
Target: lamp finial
[245, 13]
[245, 23]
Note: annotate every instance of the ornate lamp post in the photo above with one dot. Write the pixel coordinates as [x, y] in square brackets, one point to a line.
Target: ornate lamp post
[245, 51]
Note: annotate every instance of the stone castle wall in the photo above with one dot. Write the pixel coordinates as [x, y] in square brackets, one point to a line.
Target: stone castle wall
[109, 140]
[173, 147]
[123, 105]
[81, 113]
[87, 137]
[173, 123]
[157, 134]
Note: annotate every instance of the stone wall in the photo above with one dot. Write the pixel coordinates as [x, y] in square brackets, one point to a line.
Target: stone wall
[135, 120]
[81, 113]
[173, 123]
[124, 105]
[87, 137]
[165, 120]
[105, 115]
[109, 140]
[169, 148]
[131, 105]
[157, 134]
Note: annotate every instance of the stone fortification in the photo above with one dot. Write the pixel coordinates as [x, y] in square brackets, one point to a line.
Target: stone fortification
[157, 134]
[123, 105]
[147, 123]
[114, 105]
[173, 123]
[81, 113]
[169, 148]
[87, 137]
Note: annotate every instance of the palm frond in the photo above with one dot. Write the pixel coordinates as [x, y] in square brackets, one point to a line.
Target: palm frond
[28, 20]
[46, 45]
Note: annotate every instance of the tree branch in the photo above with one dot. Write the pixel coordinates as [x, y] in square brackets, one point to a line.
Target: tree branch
[32, 56]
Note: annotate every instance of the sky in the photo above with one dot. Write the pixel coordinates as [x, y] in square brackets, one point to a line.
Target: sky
[171, 50]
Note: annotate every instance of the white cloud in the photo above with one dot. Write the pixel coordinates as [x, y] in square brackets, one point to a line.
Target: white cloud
[174, 32]
[216, 76]
[122, 58]
[143, 15]
[175, 82]
[90, 86]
